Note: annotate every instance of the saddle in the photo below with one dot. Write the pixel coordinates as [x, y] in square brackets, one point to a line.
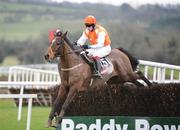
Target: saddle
[106, 64]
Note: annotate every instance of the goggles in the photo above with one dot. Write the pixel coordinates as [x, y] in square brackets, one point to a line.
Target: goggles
[88, 25]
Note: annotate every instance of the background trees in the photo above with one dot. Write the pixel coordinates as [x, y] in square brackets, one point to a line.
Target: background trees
[150, 32]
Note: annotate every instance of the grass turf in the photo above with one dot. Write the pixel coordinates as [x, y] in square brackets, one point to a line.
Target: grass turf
[8, 117]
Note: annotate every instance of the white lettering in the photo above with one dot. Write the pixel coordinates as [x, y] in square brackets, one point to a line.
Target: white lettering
[166, 127]
[67, 124]
[118, 127]
[156, 127]
[96, 126]
[141, 124]
[172, 127]
[109, 126]
[81, 126]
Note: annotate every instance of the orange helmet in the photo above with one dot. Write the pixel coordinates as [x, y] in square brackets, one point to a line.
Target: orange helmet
[90, 20]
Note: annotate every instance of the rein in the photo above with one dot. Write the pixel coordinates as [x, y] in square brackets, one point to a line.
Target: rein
[74, 51]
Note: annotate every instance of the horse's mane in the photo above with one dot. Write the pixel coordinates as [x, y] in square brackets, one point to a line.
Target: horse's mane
[134, 61]
[72, 45]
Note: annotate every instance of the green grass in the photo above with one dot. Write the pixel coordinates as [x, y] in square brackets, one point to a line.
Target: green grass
[8, 117]
[23, 31]
[15, 26]
[29, 7]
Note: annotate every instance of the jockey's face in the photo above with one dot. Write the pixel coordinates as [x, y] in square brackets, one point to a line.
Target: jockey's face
[90, 27]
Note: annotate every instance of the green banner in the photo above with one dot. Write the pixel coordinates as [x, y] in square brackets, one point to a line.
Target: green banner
[119, 123]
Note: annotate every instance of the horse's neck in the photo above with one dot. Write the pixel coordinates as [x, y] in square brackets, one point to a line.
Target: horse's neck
[69, 58]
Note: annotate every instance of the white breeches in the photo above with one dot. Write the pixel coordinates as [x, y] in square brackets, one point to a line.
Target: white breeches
[99, 52]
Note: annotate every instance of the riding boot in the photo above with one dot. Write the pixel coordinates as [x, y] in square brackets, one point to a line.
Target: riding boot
[97, 67]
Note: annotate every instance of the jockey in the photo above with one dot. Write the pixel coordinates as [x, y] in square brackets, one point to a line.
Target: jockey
[99, 42]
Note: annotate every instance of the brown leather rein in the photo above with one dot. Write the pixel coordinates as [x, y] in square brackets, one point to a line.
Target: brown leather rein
[74, 51]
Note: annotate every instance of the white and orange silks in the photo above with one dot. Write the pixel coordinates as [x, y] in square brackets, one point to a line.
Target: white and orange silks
[99, 42]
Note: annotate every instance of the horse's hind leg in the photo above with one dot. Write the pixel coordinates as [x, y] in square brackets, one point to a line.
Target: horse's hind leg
[138, 83]
[141, 76]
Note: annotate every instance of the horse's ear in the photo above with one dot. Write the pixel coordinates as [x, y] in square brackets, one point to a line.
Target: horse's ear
[64, 35]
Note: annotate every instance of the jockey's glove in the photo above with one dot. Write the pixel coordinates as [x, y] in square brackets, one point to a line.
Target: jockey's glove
[85, 46]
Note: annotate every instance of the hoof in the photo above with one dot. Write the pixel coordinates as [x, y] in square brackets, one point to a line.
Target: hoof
[58, 121]
[48, 124]
[56, 125]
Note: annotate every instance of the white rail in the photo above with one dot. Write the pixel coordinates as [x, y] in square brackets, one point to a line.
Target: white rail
[20, 77]
[159, 71]
[21, 74]
[29, 97]
[24, 85]
[5, 69]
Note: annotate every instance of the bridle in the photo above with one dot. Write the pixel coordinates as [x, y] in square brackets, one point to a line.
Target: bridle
[59, 44]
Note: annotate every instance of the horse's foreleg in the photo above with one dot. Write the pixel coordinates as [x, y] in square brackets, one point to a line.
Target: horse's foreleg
[56, 107]
[69, 98]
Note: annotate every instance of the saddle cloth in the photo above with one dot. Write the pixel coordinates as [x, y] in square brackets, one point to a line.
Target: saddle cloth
[106, 66]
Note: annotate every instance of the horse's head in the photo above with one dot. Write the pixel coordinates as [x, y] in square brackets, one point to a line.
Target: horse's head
[54, 48]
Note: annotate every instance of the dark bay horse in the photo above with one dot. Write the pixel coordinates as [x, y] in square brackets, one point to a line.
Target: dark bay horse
[76, 74]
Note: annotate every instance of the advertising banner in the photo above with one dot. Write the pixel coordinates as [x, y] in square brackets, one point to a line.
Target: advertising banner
[119, 123]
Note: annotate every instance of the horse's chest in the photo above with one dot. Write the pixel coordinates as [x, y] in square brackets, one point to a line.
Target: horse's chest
[69, 80]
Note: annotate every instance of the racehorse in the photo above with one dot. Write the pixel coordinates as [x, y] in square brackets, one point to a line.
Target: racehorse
[76, 73]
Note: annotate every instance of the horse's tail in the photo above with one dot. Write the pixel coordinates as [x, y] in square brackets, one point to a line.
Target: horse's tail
[133, 60]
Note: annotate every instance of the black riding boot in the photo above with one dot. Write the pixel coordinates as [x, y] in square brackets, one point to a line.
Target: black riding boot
[97, 67]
